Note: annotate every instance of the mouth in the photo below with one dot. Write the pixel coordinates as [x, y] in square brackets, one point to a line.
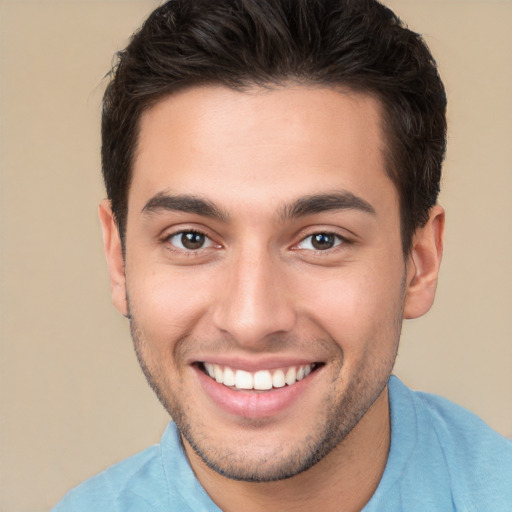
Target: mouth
[260, 380]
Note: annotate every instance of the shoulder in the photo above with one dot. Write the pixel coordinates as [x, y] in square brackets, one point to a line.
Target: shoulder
[462, 433]
[476, 460]
[138, 477]
[156, 480]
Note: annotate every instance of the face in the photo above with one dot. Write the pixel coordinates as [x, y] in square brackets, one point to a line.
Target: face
[263, 273]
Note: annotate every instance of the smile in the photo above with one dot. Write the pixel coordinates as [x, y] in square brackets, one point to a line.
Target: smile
[254, 392]
[261, 380]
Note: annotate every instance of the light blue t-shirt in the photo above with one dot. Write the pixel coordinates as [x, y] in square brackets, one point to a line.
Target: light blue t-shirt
[442, 459]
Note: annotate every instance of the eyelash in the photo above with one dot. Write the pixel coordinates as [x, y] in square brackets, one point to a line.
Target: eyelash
[167, 239]
[338, 240]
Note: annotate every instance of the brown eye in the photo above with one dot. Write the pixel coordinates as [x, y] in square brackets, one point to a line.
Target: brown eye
[320, 242]
[190, 240]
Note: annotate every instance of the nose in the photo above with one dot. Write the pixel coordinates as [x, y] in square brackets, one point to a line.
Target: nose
[255, 303]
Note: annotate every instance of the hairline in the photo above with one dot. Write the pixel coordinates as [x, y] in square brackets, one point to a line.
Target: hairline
[342, 87]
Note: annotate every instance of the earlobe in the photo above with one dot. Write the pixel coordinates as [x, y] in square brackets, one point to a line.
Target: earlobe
[114, 255]
[423, 265]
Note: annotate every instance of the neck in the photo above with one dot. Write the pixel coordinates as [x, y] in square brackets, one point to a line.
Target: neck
[343, 481]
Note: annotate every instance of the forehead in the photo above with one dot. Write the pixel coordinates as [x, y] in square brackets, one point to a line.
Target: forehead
[261, 145]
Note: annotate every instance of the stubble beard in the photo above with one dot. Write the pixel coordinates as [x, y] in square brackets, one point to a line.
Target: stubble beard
[342, 414]
[340, 419]
[339, 422]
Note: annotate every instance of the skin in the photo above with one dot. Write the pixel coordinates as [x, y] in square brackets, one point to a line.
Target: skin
[244, 170]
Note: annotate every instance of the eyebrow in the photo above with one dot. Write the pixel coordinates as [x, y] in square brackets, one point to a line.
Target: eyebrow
[308, 205]
[319, 203]
[186, 203]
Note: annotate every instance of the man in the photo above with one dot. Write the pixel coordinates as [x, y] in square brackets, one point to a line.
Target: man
[272, 169]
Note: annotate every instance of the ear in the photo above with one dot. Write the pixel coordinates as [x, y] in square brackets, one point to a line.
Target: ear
[423, 265]
[114, 255]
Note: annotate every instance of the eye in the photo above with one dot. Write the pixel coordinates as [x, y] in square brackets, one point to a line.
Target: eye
[190, 240]
[320, 242]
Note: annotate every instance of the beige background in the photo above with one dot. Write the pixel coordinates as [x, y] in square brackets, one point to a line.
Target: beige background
[72, 398]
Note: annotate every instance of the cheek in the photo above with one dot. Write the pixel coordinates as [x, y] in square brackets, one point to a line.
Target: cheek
[166, 304]
[357, 307]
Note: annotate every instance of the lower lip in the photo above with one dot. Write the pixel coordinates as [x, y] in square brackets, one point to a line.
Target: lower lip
[253, 404]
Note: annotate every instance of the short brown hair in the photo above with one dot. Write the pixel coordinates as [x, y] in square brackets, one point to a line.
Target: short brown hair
[357, 44]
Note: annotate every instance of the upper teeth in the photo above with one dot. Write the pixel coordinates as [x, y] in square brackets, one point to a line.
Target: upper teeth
[260, 380]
